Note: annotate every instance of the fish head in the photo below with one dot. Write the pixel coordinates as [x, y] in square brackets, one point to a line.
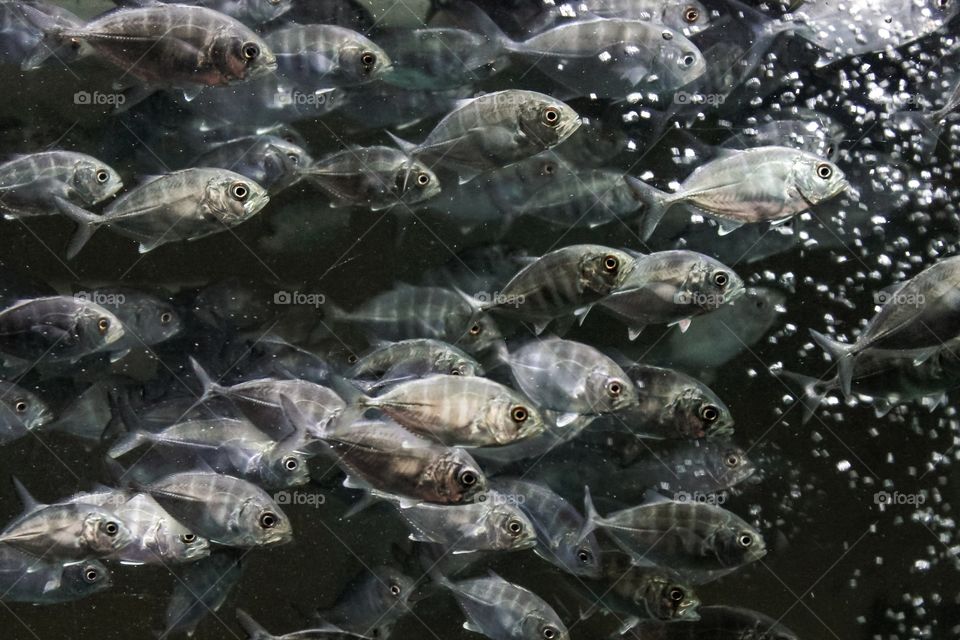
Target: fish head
[671, 600]
[95, 182]
[459, 477]
[284, 162]
[241, 55]
[362, 61]
[97, 326]
[284, 468]
[736, 546]
[728, 464]
[26, 408]
[546, 120]
[456, 363]
[511, 529]
[709, 284]
[512, 417]
[603, 271]
[85, 578]
[817, 180]
[680, 59]
[103, 531]
[391, 588]
[697, 411]
[415, 182]
[262, 522]
[163, 322]
[175, 543]
[482, 332]
[540, 624]
[610, 390]
[581, 557]
[233, 198]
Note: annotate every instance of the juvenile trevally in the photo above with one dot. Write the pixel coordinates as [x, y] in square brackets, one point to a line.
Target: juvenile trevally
[761, 184]
[174, 46]
[27, 578]
[147, 319]
[373, 177]
[229, 446]
[183, 205]
[492, 523]
[504, 611]
[571, 378]
[641, 593]
[255, 631]
[885, 379]
[66, 530]
[673, 405]
[701, 542]
[717, 622]
[29, 183]
[201, 589]
[687, 466]
[326, 56]
[57, 328]
[270, 161]
[557, 524]
[714, 339]
[560, 284]
[155, 536]
[21, 411]
[439, 313]
[919, 315]
[435, 59]
[249, 12]
[495, 130]
[454, 410]
[671, 287]
[414, 358]
[689, 16]
[371, 603]
[223, 509]
[388, 459]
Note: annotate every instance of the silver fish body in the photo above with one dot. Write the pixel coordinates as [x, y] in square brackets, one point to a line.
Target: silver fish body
[29, 183]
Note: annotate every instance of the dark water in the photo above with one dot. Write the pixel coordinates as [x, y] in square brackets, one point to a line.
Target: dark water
[839, 565]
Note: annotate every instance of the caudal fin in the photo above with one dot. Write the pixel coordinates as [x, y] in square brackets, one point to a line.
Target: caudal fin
[592, 517]
[87, 223]
[656, 203]
[251, 627]
[812, 391]
[842, 354]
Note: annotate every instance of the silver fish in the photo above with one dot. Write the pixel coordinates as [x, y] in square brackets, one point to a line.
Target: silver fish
[273, 163]
[29, 183]
[326, 56]
[21, 411]
[255, 631]
[57, 328]
[250, 12]
[371, 603]
[26, 578]
[417, 358]
[436, 59]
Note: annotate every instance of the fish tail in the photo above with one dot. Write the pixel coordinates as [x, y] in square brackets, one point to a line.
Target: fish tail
[54, 35]
[655, 201]
[87, 223]
[251, 627]
[210, 388]
[812, 391]
[842, 354]
[127, 443]
[592, 517]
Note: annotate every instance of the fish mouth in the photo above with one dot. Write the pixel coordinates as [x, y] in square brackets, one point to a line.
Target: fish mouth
[568, 128]
[255, 204]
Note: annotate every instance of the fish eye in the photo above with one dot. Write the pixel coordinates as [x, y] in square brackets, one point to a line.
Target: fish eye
[515, 527]
[691, 15]
[268, 520]
[290, 463]
[111, 528]
[732, 460]
[251, 51]
[368, 59]
[551, 116]
[294, 158]
[519, 414]
[549, 168]
[611, 264]
[423, 179]
[548, 632]
[239, 191]
[468, 478]
[824, 170]
[103, 324]
[476, 329]
[188, 538]
[21, 406]
[688, 60]
[395, 589]
[745, 540]
[91, 575]
[166, 317]
[456, 371]
[352, 358]
[676, 594]
[830, 150]
[584, 556]
[721, 279]
[614, 388]
[709, 413]
[102, 176]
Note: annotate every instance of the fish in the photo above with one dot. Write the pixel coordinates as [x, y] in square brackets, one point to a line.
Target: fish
[571, 378]
[57, 328]
[249, 12]
[201, 589]
[700, 542]
[147, 320]
[557, 524]
[254, 631]
[26, 578]
[495, 130]
[504, 611]
[30, 182]
[183, 205]
[454, 410]
[174, 46]
[671, 287]
[761, 184]
[272, 162]
[21, 412]
[373, 177]
[371, 603]
[440, 58]
[492, 523]
[720, 622]
[414, 358]
[559, 284]
[326, 56]
[688, 468]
